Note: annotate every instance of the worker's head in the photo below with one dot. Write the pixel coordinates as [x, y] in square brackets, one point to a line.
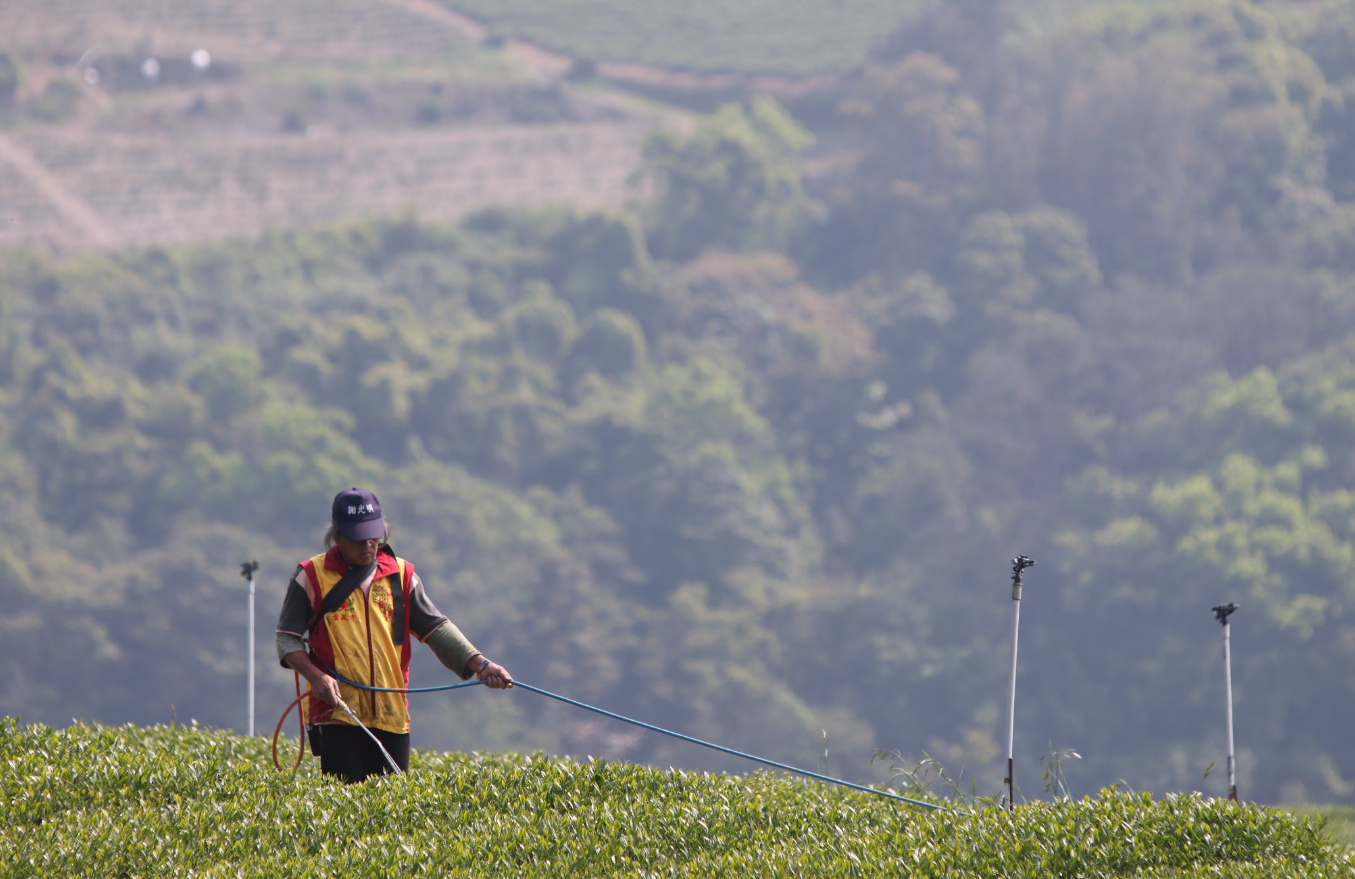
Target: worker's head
[356, 516]
[356, 526]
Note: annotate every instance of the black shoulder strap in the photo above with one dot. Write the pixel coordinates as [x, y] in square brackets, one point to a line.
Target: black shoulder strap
[397, 587]
[398, 605]
[339, 594]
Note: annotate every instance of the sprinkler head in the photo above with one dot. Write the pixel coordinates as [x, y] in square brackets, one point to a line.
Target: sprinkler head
[247, 570]
[1222, 611]
[1019, 564]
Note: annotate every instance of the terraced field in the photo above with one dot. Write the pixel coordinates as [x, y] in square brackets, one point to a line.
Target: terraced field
[307, 112]
[146, 190]
[242, 30]
[792, 38]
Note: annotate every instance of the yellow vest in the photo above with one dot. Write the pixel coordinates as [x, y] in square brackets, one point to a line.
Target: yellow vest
[358, 640]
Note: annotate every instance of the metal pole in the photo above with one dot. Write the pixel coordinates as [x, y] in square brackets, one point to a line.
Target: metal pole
[247, 570]
[1019, 564]
[1221, 614]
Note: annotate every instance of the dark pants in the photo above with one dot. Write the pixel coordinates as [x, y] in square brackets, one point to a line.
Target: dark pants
[346, 751]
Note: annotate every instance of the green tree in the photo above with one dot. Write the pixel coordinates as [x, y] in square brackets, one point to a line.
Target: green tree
[77, 428]
[229, 380]
[543, 326]
[9, 79]
[301, 454]
[966, 33]
[610, 344]
[733, 184]
[601, 260]
[1328, 35]
[1336, 125]
[919, 170]
[1177, 133]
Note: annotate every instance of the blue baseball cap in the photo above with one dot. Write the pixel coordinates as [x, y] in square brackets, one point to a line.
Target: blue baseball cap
[357, 514]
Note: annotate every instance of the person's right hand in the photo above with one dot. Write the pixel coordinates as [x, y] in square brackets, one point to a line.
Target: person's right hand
[326, 689]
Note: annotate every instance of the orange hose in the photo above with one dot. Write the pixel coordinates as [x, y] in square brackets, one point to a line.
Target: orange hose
[301, 722]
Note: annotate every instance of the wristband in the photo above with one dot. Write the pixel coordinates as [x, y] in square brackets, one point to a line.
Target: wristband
[484, 665]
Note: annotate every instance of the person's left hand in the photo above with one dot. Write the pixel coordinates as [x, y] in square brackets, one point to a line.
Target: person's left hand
[495, 676]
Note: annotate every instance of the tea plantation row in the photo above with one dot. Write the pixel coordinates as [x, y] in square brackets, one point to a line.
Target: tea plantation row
[99, 801]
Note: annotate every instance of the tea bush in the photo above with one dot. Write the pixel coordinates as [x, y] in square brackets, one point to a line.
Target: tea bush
[110, 802]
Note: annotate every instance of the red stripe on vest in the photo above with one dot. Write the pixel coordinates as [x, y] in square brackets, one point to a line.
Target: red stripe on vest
[322, 652]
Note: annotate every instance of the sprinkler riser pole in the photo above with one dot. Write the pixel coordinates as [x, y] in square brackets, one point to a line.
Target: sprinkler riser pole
[1228, 698]
[247, 570]
[1019, 564]
[249, 663]
[1221, 613]
[1011, 702]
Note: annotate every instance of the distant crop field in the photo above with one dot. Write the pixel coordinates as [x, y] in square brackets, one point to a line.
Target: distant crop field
[305, 112]
[145, 190]
[792, 38]
[231, 30]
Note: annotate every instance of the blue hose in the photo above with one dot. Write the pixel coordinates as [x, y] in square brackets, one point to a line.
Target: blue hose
[666, 732]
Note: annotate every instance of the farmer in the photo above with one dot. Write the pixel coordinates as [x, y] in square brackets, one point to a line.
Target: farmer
[360, 604]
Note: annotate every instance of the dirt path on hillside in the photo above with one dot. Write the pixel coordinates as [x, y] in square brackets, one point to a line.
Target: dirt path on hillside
[551, 64]
[71, 206]
[468, 27]
[635, 75]
[540, 61]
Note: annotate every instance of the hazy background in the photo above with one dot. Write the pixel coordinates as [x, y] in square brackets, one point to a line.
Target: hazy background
[711, 363]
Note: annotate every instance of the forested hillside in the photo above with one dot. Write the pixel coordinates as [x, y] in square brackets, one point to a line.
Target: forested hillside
[749, 456]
